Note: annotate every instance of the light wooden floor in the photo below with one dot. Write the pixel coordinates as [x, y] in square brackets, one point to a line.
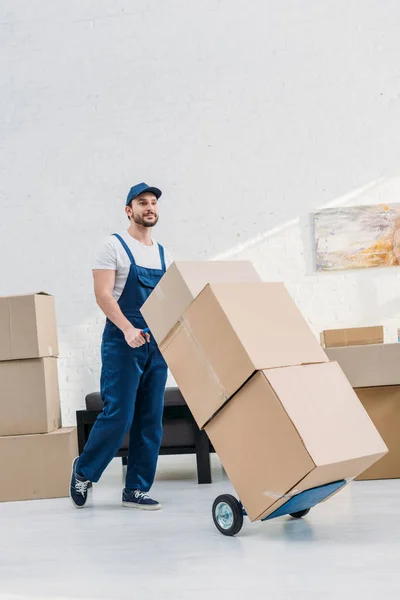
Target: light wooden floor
[348, 547]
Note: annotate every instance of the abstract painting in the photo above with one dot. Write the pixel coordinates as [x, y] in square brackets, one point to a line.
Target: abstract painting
[357, 237]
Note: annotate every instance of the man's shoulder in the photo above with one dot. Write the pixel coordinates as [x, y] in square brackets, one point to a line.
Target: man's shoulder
[112, 239]
[110, 244]
[105, 255]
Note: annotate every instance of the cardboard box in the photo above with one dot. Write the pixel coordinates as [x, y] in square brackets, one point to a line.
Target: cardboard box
[293, 429]
[182, 283]
[28, 327]
[369, 366]
[383, 406]
[355, 336]
[229, 332]
[29, 396]
[37, 466]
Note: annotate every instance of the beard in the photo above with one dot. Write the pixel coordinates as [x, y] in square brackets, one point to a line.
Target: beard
[148, 221]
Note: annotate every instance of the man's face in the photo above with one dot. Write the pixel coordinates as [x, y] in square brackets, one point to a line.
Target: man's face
[144, 210]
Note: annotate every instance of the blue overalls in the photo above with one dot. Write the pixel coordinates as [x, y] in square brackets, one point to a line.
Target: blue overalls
[132, 385]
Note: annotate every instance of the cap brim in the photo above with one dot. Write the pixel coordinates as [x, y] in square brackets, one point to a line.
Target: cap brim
[155, 191]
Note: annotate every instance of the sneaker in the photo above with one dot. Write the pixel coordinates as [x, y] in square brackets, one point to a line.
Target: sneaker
[138, 499]
[78, 490]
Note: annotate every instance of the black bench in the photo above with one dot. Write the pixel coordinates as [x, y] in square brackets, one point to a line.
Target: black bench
[181, 434]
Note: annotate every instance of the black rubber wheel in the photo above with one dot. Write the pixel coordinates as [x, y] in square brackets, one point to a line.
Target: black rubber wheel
[227, 514]
[300, 514]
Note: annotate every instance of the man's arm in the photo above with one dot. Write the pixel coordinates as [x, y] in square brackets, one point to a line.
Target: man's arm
[104, 280]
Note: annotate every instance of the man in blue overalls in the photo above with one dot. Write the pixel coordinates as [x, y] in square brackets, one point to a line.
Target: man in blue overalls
[126, 269]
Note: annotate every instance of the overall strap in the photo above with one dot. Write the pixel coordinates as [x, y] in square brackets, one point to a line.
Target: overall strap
[162, 257]
[125, 245]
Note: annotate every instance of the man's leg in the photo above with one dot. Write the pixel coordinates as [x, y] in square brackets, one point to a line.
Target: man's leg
[146, 431]
[122, 369]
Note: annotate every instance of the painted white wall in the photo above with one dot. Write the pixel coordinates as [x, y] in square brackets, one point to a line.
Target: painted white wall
[249, 115]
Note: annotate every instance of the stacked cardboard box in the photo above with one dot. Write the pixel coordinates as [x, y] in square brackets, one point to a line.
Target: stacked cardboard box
[281, 417]
[374, 373]
[35, 453]
[354, 336]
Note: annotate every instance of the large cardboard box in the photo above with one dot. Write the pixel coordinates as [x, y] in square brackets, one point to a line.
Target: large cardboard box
[369, 366]
[29, 396]
[292, 429]
[28, 327]
[229, 332]
[37, 466]
[383, 406]
[180, 285]
[355, 336]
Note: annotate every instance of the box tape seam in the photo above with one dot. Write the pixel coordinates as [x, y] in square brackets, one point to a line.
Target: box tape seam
[167, 341]
[159, 294]
[278, 495]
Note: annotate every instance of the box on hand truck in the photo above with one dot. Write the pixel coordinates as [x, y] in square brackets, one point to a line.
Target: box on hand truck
[284, 421]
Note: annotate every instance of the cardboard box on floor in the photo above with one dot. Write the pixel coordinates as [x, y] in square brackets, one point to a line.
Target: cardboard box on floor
[182, 283]
[29, 396]
[292, 429]
[369, 366]
[383, 406]
[355, 336]
[28, 327]
[229, 332]
[37, 466]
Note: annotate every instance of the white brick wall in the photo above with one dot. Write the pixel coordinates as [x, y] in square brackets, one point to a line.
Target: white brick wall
[329, 299]
[248, 114]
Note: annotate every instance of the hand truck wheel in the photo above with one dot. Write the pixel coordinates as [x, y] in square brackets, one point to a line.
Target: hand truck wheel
[227, 514]
[300, 514]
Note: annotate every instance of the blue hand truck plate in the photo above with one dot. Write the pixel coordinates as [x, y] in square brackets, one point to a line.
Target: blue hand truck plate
[307, 499]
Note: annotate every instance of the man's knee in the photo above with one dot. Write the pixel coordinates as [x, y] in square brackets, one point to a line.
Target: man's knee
[119, 416]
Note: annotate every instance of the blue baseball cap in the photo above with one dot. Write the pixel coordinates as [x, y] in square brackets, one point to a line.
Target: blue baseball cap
[139, 189]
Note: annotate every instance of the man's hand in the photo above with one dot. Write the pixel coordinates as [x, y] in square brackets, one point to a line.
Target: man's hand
[134, 337]
[104, 281]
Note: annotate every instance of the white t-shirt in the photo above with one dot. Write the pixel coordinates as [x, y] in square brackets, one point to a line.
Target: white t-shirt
[112, 255]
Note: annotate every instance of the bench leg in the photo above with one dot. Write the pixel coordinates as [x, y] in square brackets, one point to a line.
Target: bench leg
[124, 461]
[80, 429]
[203, 457]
